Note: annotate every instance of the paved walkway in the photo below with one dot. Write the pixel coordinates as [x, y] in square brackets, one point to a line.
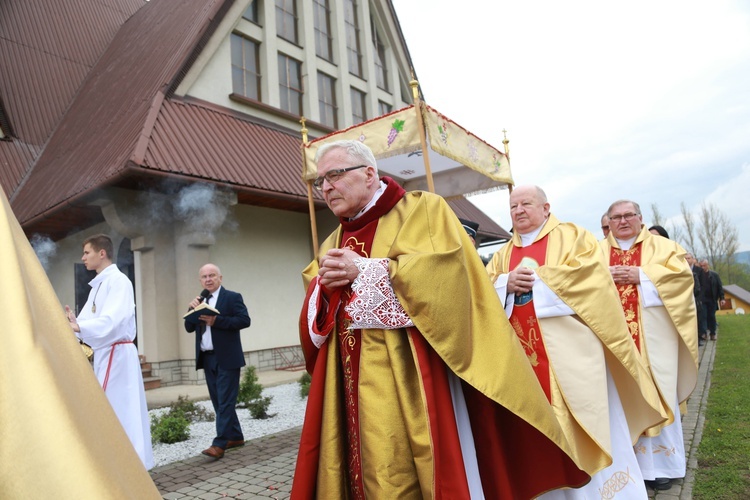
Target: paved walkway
[264, 467]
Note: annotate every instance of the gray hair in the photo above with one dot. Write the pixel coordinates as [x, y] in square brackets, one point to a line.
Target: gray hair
[356, 150]
[620, 202]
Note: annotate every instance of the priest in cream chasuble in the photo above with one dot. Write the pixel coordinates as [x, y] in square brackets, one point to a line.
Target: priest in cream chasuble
[560, 301]
[655, 286]
[420, 388]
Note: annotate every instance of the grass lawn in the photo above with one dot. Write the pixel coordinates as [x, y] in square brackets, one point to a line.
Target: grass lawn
[724, 452]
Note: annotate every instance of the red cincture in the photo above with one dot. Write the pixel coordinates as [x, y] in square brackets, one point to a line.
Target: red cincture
[629, 293]
[524, 320]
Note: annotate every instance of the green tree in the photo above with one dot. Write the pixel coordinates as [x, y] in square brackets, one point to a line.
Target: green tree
[688, 238]
[658, 219]
[718, 237]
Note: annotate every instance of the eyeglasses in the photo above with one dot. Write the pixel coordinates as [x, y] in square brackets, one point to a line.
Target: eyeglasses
[627, 217]
[332, 176]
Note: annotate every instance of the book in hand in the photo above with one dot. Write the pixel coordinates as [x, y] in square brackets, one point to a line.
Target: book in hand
[203, 309]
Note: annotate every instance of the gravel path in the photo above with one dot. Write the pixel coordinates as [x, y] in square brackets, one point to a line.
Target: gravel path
[286, 404]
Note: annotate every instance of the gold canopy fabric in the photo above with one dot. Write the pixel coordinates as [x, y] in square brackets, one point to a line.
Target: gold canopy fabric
[60, 436]
[397, 133]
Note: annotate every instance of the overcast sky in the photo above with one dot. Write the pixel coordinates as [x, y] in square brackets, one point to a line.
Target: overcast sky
[647, 100]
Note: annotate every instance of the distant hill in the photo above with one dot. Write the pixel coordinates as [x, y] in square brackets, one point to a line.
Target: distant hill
[743, 257]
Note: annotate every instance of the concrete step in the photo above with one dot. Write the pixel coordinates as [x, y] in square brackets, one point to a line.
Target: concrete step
[151, 383]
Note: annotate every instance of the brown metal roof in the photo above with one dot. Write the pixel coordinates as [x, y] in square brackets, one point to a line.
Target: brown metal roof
[489, 231]
[46, 50]
[204, 141]
[98, 135]
[123, 127]
[15, 158]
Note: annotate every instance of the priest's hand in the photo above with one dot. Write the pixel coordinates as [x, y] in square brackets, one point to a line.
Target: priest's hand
[337, 268]
[625, 275]
[520, 280]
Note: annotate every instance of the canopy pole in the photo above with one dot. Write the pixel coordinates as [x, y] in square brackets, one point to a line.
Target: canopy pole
[422, 135]
[310, 202]
[507, 155]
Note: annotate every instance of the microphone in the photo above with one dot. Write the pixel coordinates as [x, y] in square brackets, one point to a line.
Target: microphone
[204, 295]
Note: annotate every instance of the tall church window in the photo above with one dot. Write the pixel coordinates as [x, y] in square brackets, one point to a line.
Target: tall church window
[358, 106]
[381, 68]
[286, 20]
[290, 84]
[323, 38]
[245, 67]
[354, 54]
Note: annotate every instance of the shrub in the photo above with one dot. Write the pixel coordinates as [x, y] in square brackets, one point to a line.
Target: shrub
[174, 425]
[170, 428]
[304, 385]
[192, 411]
[250, 395]
[259, 407]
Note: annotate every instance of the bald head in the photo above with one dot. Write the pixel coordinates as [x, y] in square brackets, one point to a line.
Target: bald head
[210, 277]
[528, 208]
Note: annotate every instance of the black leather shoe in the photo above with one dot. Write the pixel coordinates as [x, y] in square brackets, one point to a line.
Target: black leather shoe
[662, 483]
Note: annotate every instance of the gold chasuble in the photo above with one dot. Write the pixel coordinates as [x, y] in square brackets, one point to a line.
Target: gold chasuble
[595, 338]
[380, 419]
[60, 436]
[668, 342]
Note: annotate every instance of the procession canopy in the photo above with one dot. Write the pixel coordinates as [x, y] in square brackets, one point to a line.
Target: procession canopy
[461, 163]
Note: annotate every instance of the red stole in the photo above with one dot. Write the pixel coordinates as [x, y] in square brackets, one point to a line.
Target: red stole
[357, 235]
[359, 241]
[629, 293]
[524, 320]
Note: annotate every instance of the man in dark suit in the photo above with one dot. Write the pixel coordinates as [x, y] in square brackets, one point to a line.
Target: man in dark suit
[698, 289]
[712, 296]
[218, 351]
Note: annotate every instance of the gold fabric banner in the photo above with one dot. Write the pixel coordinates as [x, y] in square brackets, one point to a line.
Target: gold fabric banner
[389, 135]
[397, 133]
[60, 436]
[450, 139]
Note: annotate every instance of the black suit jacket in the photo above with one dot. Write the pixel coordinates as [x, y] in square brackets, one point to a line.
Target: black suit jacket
[225, 332]
[698, 286]
[716, 287]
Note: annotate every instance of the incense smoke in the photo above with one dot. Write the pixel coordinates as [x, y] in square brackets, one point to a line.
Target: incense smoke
[202, 207]
[44, 248]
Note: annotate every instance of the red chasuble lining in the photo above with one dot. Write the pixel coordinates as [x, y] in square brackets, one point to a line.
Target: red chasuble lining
[524, 320]
[629, 293]
[449, 472]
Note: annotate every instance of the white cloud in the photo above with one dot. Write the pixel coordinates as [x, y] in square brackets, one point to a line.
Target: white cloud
[643, 100]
